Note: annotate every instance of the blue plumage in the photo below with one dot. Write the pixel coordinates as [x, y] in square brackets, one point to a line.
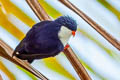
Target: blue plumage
[67, 21]
[42, 40]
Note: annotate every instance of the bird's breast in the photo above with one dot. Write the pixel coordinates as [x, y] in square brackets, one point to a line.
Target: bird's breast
[64, 35]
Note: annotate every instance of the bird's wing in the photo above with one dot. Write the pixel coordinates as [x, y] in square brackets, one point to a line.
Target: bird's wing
[32, 56]
[39, 25]
[22, 43]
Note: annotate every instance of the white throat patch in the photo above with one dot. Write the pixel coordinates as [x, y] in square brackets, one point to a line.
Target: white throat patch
[64, 35]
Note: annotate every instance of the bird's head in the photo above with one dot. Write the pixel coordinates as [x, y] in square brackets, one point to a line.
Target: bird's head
[69, 27]
[67, 22]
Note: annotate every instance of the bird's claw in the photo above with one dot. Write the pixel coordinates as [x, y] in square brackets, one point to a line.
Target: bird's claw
[67, 46]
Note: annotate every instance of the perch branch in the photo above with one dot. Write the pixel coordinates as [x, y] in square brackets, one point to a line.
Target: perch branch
[68, 52]
[38, 10]
[6, 52]
[76, 64]
[1, 77]
[92, 23]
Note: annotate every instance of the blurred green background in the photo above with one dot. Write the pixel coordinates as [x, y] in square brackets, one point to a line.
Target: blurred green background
[99, 57]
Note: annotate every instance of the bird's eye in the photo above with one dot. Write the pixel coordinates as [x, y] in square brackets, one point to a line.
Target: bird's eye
[73, 33]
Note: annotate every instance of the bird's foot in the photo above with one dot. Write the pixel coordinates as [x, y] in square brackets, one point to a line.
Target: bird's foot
[67, 46]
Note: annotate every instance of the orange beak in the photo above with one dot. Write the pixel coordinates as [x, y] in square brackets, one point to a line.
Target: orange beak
[73, 33]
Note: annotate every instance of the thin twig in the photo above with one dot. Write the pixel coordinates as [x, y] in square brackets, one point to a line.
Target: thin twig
[38, 10]
[76, 64]
[92, 23]
[6, 52]
[1, 77]
[68, 52]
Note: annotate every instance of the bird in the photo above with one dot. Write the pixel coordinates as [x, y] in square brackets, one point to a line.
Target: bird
[46, 39]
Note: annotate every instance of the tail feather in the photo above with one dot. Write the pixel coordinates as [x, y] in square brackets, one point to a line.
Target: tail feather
[30, 60]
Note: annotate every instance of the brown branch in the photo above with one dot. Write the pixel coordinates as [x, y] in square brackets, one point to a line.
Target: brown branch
[76, 64]
[6, 52]
[92, 23]
[68, 52]
[1, 77]
[38, 10]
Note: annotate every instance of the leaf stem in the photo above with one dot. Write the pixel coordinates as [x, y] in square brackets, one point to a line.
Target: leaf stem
[6, 52]
[92, 23]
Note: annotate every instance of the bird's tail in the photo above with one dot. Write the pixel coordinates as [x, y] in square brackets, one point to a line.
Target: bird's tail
[30, 60]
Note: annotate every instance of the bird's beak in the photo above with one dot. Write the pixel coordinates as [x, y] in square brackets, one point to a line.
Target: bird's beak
[73, 33]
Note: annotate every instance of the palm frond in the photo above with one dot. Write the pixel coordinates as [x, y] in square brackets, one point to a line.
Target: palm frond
[6, 52]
